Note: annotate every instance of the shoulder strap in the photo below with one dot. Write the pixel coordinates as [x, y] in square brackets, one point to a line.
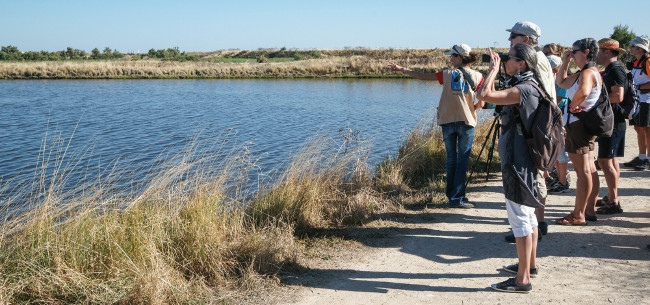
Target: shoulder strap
[468, 78]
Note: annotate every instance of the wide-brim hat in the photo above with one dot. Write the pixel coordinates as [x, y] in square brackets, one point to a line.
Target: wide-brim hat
[610, 44]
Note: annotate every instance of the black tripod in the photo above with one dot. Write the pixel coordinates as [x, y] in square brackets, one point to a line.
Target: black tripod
[492, 136]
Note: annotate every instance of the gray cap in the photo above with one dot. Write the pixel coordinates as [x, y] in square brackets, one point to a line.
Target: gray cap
[460, 49]
[641, 42]
[526, 28]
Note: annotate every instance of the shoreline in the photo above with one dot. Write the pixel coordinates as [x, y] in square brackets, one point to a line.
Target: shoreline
[340, 64]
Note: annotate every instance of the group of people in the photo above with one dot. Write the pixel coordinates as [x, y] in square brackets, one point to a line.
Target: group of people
[532, 74]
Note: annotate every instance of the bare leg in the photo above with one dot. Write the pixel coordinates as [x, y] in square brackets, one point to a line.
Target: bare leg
[584, 183]
[524, 246]
[612, 173]
[590, 208]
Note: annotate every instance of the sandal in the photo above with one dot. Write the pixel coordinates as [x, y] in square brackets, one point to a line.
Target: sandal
[569, 220]
[610, 208]
[591, 217]
[602, 202]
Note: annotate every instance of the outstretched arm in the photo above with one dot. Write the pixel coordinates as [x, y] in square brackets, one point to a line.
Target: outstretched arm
[419, 75]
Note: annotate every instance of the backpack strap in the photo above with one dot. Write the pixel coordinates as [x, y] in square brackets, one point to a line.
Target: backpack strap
[468, 78]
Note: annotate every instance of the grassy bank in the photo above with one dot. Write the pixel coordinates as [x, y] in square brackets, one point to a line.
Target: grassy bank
[354, 63]
[190, 235]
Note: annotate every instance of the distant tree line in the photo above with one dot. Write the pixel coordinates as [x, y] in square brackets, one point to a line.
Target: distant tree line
[12, 53]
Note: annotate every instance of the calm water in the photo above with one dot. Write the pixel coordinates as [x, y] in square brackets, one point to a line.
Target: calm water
[137, 121]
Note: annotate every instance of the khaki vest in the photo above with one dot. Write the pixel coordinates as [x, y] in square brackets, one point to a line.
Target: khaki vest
[457, 106]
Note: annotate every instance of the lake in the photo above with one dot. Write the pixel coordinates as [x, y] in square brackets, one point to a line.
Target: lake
[131, 123]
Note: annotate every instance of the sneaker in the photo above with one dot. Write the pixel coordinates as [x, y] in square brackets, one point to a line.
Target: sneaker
[510, 285]
[558, 188]
[634, 162]
[515, 268]
[645, 165]
[550, 181]
[465, 205]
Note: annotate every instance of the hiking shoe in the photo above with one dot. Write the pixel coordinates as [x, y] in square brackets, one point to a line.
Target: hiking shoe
[510, 285]
[542, 227]
[558, 188]
[610, 208]
[514, 268]
[634, 162]
[645, 165]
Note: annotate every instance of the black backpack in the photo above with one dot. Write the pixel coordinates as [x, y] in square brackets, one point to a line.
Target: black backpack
[546, 138]
[630, 102]
[599, 120]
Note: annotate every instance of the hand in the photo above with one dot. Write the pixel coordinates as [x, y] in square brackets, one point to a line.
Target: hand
[568, 56]
[395, 67]
[575, 109]
[495, 59]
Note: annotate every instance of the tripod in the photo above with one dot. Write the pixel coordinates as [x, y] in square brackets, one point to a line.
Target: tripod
[492, 136]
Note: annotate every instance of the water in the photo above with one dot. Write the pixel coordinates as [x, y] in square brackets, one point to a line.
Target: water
[133, 122]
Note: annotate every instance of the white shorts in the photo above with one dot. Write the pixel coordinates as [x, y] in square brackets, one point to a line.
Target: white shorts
[522, 218]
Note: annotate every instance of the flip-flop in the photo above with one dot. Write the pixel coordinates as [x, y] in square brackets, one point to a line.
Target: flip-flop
[569, 220]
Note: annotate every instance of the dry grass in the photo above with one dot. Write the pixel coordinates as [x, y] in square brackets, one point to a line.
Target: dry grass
[332, 63]
[192, 234]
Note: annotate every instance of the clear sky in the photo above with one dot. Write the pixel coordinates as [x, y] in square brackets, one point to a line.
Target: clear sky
[210, 25]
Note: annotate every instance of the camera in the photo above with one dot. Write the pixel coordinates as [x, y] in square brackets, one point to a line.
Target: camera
[486, 57]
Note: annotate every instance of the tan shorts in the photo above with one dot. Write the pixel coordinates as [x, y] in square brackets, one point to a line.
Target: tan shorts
[578, 141]
[541, 185]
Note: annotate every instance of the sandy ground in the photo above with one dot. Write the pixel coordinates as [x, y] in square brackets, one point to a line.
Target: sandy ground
[451, 256]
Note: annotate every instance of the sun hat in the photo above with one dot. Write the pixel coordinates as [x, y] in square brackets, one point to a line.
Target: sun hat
[460, 49]
[610, 44]
[554, 60]
[641, 42]
[526, 28]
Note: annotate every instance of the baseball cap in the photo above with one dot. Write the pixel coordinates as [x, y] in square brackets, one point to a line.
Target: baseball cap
[526, 28]
[461, 49]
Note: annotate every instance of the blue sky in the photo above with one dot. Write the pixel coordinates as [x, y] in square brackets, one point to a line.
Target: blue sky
[209, 25]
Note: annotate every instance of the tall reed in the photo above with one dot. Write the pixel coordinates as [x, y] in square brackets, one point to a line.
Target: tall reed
[193, 233]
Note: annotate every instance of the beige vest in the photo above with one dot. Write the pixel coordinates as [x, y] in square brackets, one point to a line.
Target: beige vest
[457, 106]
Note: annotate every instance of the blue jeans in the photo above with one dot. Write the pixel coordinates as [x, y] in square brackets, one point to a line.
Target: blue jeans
[458, 139]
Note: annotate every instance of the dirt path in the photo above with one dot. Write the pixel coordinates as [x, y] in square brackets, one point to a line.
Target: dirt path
[445, 256]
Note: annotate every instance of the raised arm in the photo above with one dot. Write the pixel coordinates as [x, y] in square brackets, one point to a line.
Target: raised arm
[487, 93]
[419, 75]
[563, 79]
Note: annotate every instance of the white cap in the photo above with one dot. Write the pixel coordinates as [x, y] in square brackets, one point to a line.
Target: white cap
[460, 49]
[526, 28]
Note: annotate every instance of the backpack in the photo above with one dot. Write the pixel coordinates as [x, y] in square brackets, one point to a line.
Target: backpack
[630, 102]
[546, 138]
[599, 120]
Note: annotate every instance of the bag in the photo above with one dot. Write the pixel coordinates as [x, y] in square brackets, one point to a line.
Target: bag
[630, 102]
[546, 138]
[599, 120]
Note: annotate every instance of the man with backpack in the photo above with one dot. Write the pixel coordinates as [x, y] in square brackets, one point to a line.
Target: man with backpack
[615, 80]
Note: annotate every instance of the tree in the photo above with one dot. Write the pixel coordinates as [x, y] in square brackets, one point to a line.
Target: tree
[95, 54]
[623, 35]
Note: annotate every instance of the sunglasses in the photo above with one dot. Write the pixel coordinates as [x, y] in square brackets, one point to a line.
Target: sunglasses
[513, 57]
[575, 51]
[515, 35]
